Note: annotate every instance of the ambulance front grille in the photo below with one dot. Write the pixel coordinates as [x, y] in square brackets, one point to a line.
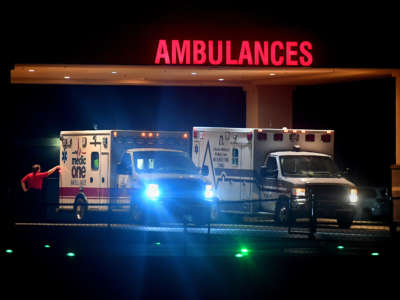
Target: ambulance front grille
[329, 193]
[187, 188]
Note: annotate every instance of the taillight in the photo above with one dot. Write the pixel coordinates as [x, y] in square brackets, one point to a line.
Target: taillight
[262, 135]
[278, 137]
[310, 137]
[195, 134]
[326, 138]
[249, 136]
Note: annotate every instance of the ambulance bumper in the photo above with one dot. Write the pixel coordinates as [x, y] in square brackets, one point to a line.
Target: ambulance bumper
[325, 210]
[177, 209]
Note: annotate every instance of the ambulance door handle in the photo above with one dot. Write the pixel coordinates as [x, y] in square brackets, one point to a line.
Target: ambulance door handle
[102, 179]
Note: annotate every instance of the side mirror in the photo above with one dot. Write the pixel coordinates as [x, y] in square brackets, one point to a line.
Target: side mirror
[205, 171]
[346, 172]
[267, 173]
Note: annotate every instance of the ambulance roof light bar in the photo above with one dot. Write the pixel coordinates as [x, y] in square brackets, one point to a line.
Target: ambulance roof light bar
[151, 134]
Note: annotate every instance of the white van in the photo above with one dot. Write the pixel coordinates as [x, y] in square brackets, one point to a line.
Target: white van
[145, 173]
[262, 171]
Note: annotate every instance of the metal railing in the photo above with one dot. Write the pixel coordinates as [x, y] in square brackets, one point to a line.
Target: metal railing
[309, 227]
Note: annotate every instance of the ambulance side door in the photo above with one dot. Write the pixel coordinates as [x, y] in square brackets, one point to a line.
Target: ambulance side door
[228, 185]
[270, 191]
[104, 187]
[122, 193]
[246, 176]
[93, 152]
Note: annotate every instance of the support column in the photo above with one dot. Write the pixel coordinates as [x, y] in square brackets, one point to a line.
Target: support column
[396, 168]
[397, 75]
[269, 106]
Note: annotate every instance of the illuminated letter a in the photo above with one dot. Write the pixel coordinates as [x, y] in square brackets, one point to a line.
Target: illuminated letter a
[162, 52]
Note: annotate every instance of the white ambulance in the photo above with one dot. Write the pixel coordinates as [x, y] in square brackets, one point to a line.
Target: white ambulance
[146, 173]
[262, 171]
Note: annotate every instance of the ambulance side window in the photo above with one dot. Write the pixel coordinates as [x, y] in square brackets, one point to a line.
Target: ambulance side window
[94, 158]
[235, 157]
[125, 166]
[139, 164]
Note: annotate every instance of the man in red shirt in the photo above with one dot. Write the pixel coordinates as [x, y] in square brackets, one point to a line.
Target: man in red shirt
[32, 184]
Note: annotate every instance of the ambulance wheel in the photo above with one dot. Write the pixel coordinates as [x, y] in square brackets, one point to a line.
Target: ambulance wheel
[215, 213]
[80, 210]
[140, 216]
[202, 217]
[137, 214]
[344, 221]
[282, 213]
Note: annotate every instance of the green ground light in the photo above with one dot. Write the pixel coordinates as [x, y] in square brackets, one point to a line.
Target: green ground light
[70, 254]
[243, 252]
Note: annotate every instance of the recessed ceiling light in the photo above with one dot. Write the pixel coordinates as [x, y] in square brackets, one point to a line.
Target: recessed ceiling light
[114, 72]
[31, 70]
[67, 77]
[194, 73]
[221, 79]
[272, 74]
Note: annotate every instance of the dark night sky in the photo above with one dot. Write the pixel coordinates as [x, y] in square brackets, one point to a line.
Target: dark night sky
[342, 38]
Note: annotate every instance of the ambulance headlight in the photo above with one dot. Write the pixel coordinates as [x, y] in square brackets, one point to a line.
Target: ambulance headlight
[152, 191]
[353, 196]
[209, 192]
[299, 192]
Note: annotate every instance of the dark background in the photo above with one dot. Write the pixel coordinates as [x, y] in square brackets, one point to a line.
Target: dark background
[361, 113]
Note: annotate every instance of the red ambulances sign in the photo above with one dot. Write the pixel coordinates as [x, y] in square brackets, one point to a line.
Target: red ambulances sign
[256, 53]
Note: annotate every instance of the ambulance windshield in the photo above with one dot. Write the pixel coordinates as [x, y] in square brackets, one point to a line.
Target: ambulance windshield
[308, 166]
[163, 162]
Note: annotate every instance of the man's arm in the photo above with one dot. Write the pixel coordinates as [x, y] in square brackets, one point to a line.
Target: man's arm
[51, 171]
[23, 185]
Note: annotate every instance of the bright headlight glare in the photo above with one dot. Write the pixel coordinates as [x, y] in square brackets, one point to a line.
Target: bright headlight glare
[152, 191]
[353, 197]
[299, 192]
[209, 193]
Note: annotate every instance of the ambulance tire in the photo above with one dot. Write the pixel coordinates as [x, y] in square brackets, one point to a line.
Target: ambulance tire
[139, 216]
[202, 217]
[80, 210]
[215, 213]
[282, 216]
[344, 221]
